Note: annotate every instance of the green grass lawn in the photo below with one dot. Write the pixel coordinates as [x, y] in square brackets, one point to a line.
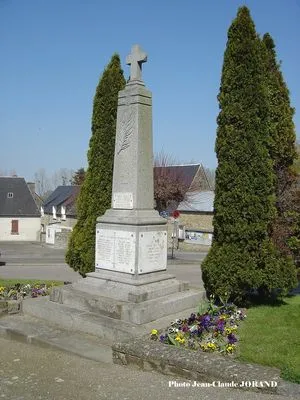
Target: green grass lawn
[12, 282]
[270, 335]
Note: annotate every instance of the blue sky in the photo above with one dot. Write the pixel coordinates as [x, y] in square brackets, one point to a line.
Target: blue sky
[54, 51]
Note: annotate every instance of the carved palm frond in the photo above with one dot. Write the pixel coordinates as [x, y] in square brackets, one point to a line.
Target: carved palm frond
[126, 130]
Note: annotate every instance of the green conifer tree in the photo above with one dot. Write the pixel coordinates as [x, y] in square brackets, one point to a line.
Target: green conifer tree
[296, 165]
[282, 129]
[242, 257]
[282, 147]
[95, 194]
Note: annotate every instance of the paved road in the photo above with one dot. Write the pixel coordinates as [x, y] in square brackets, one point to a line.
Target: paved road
[62, 272]
[29, 372]
[31, 253]
[40, 261]
[41, 253]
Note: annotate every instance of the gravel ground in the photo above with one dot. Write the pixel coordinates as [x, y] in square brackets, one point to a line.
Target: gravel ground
[30, 372]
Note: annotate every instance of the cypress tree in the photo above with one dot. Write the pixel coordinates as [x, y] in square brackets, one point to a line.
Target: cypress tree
[242, 257]
[95, 194]
[282, 129]
[282, 147]
[296, 164]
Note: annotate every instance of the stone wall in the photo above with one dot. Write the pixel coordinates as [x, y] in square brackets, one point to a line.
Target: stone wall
[202, 367]
[190, 221]
[198, 221]
[48, 219]
[62, 238]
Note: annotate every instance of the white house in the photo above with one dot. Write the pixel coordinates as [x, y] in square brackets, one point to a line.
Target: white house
[20, 218]
[59, 215]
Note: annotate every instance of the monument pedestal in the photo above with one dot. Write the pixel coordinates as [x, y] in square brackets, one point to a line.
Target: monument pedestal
[131, 249]
[132, 300]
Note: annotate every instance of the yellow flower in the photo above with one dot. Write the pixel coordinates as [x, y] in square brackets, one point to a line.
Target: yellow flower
[211, 346]
[179, 338]
[230, 330]
[154, 332]
[230, 348]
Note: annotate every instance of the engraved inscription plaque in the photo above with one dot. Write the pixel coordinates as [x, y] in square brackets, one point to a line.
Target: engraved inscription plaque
[152, 251]
[115, 250]
[123, 200]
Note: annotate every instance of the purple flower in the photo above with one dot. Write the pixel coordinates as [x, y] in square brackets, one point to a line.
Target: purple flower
[231, 338]
[220, 325]
[205, 321]
[192, 318]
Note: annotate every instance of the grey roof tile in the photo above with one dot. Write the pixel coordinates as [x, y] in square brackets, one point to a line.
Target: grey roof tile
[62, 196]
[21, 203]
[185, 172]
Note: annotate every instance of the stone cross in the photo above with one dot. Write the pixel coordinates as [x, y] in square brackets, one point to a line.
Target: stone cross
[135, 60]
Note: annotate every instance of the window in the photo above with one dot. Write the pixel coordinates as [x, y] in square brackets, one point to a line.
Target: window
[10, 195]
[14, 227]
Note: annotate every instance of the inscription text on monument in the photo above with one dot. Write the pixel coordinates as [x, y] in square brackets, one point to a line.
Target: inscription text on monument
[123, 200]
[152, 251]
[115, 250]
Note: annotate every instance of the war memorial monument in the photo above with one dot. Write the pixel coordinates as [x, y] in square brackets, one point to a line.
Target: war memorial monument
[130, 290]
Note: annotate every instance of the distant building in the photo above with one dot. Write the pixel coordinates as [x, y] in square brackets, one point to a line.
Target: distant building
[59, 214]
[196, 219]
[38, 200]
[194, 225]
[20, 217]
[59, 210]
[192, 176]
[61, 205]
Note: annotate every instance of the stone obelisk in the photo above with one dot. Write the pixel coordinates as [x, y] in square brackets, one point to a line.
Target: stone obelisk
[130, 286]
[131, 237]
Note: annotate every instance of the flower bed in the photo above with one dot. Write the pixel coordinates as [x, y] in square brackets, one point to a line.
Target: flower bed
[19, 291]
[214, 330]
[12, 295]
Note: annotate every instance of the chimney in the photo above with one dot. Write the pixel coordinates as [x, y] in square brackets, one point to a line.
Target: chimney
[31, 186]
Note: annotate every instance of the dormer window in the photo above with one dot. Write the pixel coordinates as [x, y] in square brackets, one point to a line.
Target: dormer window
[10, 195]
[63, 213]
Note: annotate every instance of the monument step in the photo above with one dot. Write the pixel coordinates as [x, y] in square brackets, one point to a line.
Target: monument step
[154, 309]
[107, 329]
[32, 330]
[136, 313]
[85, 301]
[73, 319]
[121, 292]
